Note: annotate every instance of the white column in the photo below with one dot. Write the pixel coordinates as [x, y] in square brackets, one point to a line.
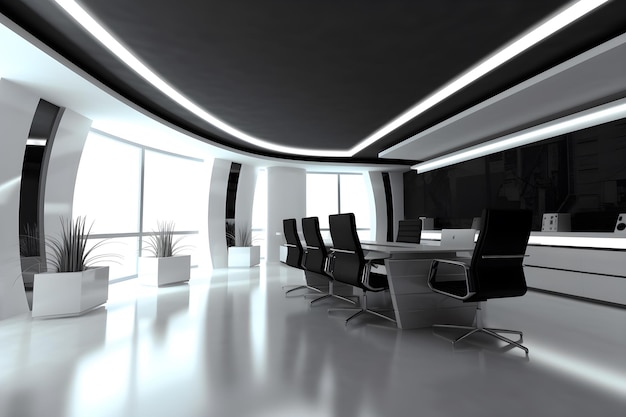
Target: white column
[245, 196]
[60, 167]
[203, 250]
[397, 192]
[217, 213]
[17, 108]
[286, 198]
[378, 206]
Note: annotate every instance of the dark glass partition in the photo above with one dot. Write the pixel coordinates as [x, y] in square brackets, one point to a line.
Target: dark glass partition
[31, 211]
[582, 173]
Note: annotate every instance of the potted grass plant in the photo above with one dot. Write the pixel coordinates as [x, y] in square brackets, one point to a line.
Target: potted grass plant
[164, 264]
[242, 253]
[73, 283]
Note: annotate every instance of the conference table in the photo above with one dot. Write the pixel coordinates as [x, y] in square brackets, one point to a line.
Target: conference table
[407, 265]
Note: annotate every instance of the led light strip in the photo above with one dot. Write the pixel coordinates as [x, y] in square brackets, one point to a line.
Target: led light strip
[542, 31]
[430, 235]
[579, 242]
[36, 142]
[598, 115]
[508, 52]
[616, 242]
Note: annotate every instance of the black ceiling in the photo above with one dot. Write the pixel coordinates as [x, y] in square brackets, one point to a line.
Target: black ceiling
[312, 74]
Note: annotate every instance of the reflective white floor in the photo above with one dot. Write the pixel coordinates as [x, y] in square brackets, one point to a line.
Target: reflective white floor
[231, 344]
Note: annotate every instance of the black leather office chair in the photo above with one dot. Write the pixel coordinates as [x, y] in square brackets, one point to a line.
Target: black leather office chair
[295, 251]
[349, 265]
[315, 259]
[409, 231]
[494, 271]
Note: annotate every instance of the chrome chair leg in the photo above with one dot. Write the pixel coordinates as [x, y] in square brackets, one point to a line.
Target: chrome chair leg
[471, 332]
[355, 315]
[364, 309]
[454, 326]
[333, 296]
[506, 339]
[487, 330]
[331, 293]
[383, 316]
[301, 287]
[323, 297]
[517, 332]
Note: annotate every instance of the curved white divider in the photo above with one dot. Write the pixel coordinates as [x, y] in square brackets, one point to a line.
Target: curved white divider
[17, 108]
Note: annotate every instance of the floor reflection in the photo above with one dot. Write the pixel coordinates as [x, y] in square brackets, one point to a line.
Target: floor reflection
[231, 344]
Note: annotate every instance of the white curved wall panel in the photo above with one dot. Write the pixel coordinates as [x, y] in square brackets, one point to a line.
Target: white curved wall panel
[17, 108]
[60, 168]
[204, 248]
[217, 213]
[286, 198]
[397, 191]
[245, 196]
[378, 206]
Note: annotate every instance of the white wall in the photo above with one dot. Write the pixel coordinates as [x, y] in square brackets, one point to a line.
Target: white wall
[245, 196]
[217, 213]
[204, 249]
[60, 168]
[378, 206]
[17, 108]
[286, 198]
[397, 191]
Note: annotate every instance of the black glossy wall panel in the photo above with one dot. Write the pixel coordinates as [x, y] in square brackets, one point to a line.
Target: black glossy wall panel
[582, 173]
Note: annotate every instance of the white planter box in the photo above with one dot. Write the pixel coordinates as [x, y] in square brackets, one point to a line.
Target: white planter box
[31, 265]
[245, 256]
[158, 272]
[61, 294]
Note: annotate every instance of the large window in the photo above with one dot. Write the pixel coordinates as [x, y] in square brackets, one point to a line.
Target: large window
[108, 185]
[328, 194]
[126, 189]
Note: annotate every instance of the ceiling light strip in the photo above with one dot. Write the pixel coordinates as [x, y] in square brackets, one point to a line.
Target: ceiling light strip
[516, 47]
[541, 32]
[598, 115]
[92, 26]
[36, 142]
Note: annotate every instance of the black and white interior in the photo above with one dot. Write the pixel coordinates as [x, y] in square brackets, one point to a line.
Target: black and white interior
[248, 113]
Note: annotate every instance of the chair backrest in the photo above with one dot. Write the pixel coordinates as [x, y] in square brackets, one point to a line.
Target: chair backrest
[348, 262]
[315, 252]
[496, 268]
[294, 246]
[409, 231]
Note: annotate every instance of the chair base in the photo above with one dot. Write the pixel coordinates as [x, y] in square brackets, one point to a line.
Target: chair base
[490, 331]
[301, 287]
[331, 294]
[340, 297]
[363, 310]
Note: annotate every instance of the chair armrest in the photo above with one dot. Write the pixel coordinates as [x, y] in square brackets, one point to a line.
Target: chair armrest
[432, 279]
[329, 264]
[370, 257]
